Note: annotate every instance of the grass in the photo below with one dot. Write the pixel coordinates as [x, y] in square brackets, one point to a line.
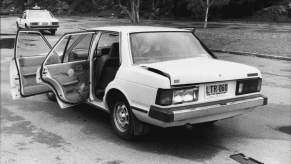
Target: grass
[261, 38]
[270, 43]
[255, 37]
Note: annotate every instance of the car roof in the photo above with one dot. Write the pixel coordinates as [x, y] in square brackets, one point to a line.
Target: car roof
[36, 10]
[133, 29]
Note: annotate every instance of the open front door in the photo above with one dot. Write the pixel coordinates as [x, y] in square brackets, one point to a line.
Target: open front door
[66, 68]
[30, 50]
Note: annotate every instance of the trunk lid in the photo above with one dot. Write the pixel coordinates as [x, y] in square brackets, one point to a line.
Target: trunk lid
[202, 70]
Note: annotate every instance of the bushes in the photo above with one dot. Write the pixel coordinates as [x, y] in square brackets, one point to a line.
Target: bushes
[277, 13]
[154, 9]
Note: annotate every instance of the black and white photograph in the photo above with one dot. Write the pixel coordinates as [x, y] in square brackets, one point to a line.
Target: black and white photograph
[145, 81]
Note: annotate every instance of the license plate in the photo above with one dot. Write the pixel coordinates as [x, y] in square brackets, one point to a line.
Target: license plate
[216, 89]
[45, 23]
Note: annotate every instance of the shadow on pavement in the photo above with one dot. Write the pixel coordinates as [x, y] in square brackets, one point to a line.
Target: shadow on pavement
[285, 129]
[199, 144]
[7, 43]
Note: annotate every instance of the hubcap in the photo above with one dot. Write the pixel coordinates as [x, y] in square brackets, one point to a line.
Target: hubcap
[121, 117]
[51, 94]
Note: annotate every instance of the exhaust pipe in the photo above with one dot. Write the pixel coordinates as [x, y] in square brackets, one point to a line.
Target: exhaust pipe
[188, 126]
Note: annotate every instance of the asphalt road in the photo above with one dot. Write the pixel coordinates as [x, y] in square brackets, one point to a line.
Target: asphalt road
[36, 130]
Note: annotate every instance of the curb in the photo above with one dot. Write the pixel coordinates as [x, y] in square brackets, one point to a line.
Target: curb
[254, 54]
[7, 34]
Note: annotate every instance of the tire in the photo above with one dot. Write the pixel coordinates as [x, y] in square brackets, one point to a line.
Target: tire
[41, 31]
[209, 124]
[51, 96]
[123, 121]
[17, 25]
[53, 31]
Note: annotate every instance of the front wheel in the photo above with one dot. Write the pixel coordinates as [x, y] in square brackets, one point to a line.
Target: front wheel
[53, 31]
[18, 27]
[123, 121]
[51, 96]
[208, 124]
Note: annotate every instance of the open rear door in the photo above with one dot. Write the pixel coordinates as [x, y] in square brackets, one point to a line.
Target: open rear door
[66, 68]
[30, 50]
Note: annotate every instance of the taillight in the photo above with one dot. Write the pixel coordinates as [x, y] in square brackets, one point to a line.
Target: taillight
[185, 95]
[177, 95]
[246, 86]
[259, 85]
[164, 97]
[33, 23]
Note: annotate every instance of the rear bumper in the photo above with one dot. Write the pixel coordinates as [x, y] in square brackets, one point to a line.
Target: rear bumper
[223, 109]
[44, 27]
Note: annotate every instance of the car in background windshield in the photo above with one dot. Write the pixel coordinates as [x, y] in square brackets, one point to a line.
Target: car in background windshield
[39, 14]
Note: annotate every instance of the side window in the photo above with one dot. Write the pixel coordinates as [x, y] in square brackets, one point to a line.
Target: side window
[31, 44]
[73, 47]
[79, 47]
[56, 55]
[105, 43]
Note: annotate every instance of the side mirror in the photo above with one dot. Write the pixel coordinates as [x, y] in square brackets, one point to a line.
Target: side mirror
[192, 29]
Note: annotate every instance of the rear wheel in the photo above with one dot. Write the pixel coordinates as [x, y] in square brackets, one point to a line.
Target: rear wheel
[123, 121]
[210, 123]
[18, 27]
[41, 31]
[53, 31]
[51, 96]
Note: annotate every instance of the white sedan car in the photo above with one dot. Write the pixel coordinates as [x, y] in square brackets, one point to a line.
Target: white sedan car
[38, 19]
[155, 75]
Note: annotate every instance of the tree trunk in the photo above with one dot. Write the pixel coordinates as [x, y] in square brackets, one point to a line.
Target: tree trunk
[137, 11]
[134, 13]
[74, 5]
[132, 7]
[206, 14]
[94, 3]
[132, 10]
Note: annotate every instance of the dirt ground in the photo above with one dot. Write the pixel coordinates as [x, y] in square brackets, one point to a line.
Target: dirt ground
[36, 131]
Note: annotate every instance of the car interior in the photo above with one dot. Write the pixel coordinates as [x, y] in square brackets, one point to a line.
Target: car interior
[69, 67]
[71, 72]
[106, 65]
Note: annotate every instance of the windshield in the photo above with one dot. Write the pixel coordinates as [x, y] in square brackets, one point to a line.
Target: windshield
[152, 47]
[39, 14]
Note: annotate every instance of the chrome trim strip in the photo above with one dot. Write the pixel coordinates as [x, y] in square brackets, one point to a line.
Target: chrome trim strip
[217, 109]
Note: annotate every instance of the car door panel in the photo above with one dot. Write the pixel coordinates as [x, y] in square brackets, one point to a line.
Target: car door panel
[31, 49]
[28, 69]
[66, 68]
[70, 79]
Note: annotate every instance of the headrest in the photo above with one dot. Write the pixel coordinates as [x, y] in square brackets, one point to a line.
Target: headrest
[114, 52]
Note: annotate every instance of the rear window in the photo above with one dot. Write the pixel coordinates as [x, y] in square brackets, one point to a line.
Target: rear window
[151, 47]
[39, 14]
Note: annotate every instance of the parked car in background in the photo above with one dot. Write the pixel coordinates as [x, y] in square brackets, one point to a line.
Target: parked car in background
[7, 11]
[38, 19]
[140, 75]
